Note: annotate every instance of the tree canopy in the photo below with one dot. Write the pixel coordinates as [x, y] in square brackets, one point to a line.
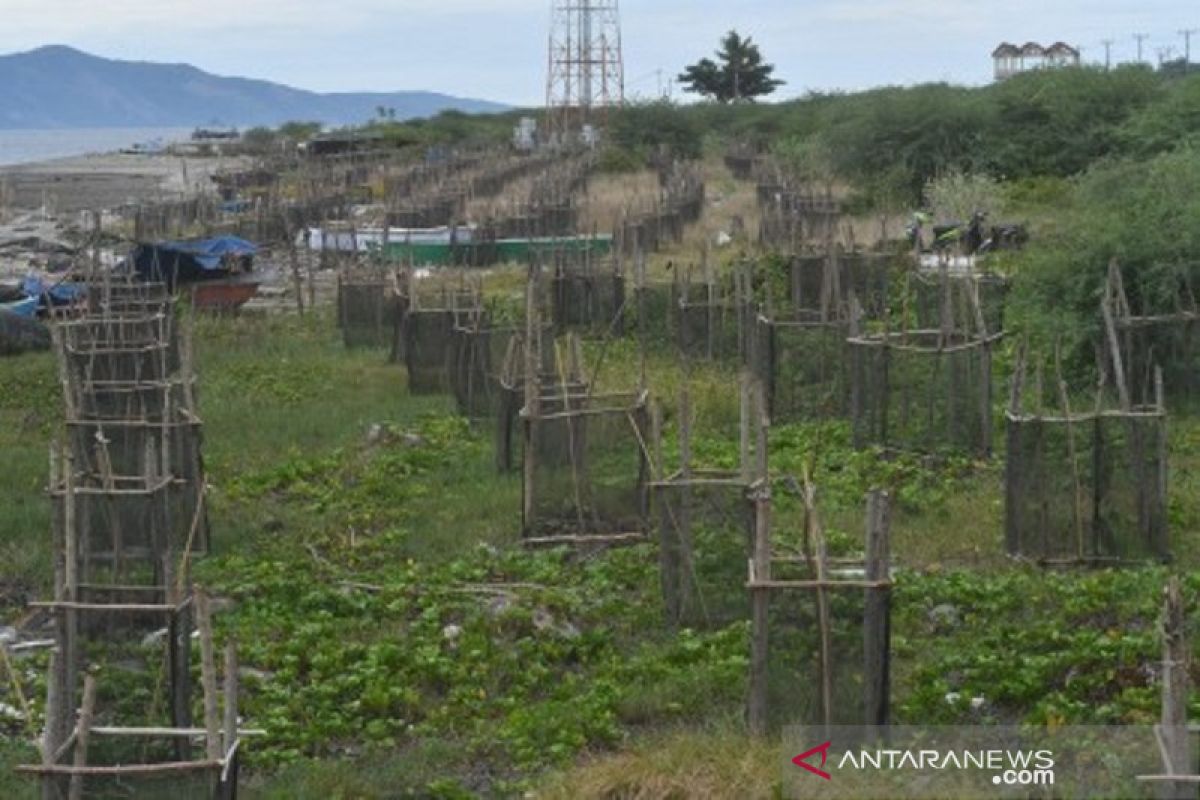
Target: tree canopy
[741, 75]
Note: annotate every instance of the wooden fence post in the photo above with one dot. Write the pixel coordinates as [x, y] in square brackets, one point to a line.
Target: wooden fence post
[1173, 729]
[760, 567]
[208, 676]
[84, 732]
[877, 612]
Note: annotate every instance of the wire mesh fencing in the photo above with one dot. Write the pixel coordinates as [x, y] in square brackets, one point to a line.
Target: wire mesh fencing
[715, 318]
[926, 391]
[1085, 486]
[586, 474]
[802, 362]
[820, 638]
[367, 309]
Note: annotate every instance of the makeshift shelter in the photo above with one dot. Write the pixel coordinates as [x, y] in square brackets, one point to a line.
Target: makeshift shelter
[192, 261]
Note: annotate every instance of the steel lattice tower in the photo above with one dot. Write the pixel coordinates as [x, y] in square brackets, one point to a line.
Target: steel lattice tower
[587, 73]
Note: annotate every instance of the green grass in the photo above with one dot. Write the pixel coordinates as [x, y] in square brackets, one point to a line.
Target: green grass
[30, 405]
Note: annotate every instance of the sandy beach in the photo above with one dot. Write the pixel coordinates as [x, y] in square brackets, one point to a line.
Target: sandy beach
[101, 181]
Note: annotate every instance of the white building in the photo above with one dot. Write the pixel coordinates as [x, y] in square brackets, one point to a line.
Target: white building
[1009, 59]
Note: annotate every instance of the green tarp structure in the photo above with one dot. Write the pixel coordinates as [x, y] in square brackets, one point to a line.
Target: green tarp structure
[499, 251]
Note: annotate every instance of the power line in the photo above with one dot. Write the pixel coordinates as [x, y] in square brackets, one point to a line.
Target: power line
[1108, 43]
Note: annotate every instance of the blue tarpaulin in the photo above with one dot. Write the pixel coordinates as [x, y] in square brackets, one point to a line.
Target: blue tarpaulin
[193, 260]
[22, 308]
[58, 294]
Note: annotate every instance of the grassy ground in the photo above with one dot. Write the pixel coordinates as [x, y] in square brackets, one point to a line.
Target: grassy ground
[400, 644]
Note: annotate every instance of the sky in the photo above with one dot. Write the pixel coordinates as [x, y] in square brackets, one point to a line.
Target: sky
[497, 49]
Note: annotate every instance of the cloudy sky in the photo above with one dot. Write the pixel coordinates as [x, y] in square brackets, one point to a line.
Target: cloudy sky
[496, 49]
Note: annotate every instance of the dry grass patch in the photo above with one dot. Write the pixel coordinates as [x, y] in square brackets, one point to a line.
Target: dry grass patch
[681, 765]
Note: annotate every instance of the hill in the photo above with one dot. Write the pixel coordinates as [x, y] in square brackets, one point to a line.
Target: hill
[60, 87]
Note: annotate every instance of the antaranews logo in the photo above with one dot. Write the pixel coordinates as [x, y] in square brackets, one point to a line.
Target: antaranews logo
[968, 762]
[1010, 767]
[802, 760]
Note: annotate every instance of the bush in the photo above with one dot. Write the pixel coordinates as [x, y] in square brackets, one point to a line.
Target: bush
[654, 127]
[617, 160]
[1145, 214]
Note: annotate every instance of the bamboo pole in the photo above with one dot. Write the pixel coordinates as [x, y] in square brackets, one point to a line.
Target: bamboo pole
[208, 675]
[230, 699]
[81, 740]
[877, 612]
[1175, 685]
[1072, 453]
[532, 388]
[760, 571]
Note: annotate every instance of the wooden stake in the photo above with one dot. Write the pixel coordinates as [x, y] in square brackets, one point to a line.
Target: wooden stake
[208, 676]
[684, 556]
[760, 570]
[84, 733]
[877, 613]
[1076, 482]
[1114, 344]
[230, 728]
[1175, 684]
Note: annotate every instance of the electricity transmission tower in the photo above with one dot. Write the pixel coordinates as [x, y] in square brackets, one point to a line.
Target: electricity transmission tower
[1140, 37]
[586, 72]
[1186, 33]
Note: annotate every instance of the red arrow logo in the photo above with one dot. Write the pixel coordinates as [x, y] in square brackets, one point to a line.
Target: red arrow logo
[802, 760]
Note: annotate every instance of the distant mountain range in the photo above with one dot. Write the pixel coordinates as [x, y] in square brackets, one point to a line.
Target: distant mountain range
[61, 87]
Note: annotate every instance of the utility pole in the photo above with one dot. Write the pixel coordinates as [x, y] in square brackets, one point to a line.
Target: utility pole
[1164, 54]
[1108, 43]
[1186, 33]
[1141, 37]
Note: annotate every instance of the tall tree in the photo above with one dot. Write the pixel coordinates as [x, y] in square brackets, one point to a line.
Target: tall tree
[741, 75]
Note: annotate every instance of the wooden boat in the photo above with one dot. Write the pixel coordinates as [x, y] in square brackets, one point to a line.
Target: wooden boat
[26, 307]
[221, 296]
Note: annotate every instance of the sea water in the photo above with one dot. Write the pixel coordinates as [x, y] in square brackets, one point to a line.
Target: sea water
[21, 146]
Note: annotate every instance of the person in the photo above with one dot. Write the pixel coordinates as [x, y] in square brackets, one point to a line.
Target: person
[916, 230]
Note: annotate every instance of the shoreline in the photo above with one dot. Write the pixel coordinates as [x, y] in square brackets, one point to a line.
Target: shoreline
[99, 181]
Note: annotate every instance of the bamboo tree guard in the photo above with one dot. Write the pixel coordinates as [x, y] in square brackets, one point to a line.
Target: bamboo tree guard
[425, 332]
[927, 390]
[654, 307]
[716, 318]
[706, 520]
[128, 493]
[802, 361]
[1173, 734]
[1084, 486]
[585, 460]
[511, 390]
[800, 353]
[794, 218]
[367, 308]
[1155, 336]
[69, 755]
[830, 689]
[924, 300]
[587, 293]
[478, 353]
